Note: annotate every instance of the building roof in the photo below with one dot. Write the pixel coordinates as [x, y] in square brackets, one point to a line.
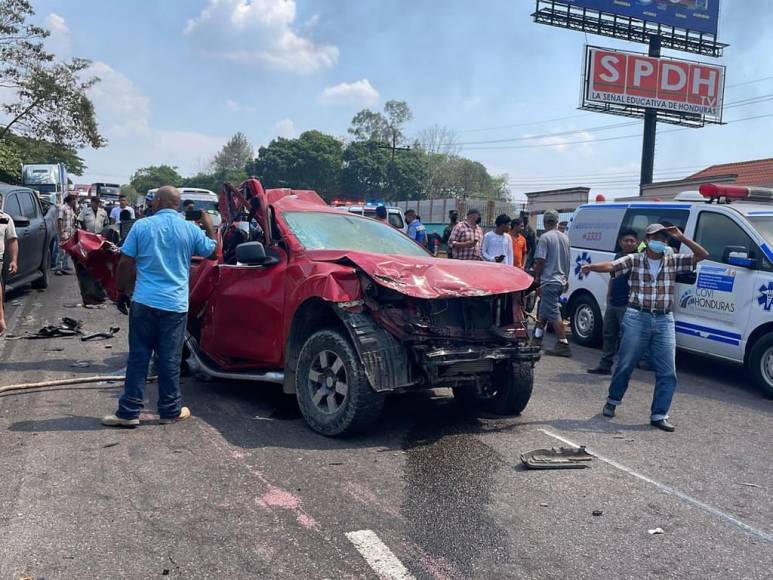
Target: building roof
[747, 173]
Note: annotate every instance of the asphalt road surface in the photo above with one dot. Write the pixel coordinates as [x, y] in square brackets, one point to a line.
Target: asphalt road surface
[246, 490]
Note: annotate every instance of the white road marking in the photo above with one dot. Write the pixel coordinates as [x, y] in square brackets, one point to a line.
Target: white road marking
[378, 556]
[672, 491]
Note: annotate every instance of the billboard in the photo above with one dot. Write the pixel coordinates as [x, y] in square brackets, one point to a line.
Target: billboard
[695, 15]
[628, 83]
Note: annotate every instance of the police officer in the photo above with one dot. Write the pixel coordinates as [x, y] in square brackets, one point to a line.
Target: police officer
[9, 245]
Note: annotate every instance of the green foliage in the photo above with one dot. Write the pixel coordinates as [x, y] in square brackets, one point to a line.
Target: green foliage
[312, 161]
[154, 176]
[234, 156]
[49, 98]
[365, 170]
[214, 181]
[386, 127]
[10, 164]
[33, 151]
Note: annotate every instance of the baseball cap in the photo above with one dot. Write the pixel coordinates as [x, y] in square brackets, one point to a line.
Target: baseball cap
[551, 216]
[653, 229]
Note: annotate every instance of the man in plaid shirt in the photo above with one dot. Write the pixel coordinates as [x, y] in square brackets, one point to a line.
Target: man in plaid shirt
[466, 237]
[649, 322]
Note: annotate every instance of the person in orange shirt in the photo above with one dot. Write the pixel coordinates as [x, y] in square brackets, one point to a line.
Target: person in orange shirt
[519, 243]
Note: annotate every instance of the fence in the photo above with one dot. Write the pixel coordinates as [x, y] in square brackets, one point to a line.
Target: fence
[435, 211]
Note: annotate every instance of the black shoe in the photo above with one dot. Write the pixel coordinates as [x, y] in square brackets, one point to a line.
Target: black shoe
[599, 371]
[609, 410]
[664, 424]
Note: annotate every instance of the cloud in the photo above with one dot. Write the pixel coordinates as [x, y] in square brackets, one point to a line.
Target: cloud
[59, 42]
[124, 115]
[471, 103]
[285, 128]
[359, 93]
[258, 32]
[237, 107]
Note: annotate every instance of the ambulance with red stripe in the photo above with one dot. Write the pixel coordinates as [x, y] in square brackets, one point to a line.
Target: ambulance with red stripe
[724, 309]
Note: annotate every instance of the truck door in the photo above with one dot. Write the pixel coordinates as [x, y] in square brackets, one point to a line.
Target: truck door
[712, 313]
[36, 232]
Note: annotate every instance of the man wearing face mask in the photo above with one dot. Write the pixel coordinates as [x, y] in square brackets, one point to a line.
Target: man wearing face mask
[648, 323]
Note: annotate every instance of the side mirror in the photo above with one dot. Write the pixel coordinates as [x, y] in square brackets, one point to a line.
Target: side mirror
[20, 221]
[254, 254]
[738, 256]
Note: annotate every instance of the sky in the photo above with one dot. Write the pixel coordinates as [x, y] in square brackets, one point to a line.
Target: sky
[179, 77]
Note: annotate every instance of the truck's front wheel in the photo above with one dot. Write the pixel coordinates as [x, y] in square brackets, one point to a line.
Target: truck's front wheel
[508, 392]
[333, 391]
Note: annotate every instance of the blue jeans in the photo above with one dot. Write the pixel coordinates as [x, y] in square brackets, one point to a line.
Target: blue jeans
[162, 331]
[654, 334]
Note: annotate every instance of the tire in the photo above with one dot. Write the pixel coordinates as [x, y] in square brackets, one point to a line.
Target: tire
[333, 392]
[45, 269]
[509, 392]
[512, 389]
[761, 364]
[587, 322]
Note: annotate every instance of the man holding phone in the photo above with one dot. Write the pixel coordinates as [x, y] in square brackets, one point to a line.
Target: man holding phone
[157, 253]
[497, 245]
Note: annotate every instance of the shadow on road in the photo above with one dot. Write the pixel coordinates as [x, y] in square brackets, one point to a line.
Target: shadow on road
[60, 365]
[72, 423]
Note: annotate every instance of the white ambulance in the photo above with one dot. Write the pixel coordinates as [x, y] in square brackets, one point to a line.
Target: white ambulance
[723, 310]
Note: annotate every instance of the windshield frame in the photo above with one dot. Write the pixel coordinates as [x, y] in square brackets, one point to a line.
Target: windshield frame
[403, 245]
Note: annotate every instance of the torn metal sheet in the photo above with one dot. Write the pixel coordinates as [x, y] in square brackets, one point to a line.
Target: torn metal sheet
[557, 458]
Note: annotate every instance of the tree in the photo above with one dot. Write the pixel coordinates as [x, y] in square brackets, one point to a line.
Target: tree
[48, 97]
[153, 177]
[235, 155]
[386, 127]
[312, 161]
[439, 143]
[34, 151]
[365, 171]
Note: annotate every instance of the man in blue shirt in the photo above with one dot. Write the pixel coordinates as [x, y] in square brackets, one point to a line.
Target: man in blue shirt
[617, 303]
[416, 230]
[157, 253]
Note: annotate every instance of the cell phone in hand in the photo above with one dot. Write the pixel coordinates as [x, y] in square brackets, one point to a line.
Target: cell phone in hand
[500, 258]
[193, 215]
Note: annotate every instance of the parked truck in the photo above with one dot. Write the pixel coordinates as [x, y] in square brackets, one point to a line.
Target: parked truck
[50, 180]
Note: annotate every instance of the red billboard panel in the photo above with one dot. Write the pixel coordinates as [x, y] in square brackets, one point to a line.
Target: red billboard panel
[635, 81]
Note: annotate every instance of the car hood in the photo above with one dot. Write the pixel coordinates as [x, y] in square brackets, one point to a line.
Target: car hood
[431, 277]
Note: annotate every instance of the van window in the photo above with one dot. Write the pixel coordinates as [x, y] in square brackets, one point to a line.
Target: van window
[716, 231]
[596, 228]
[639, 218]
[28, 208]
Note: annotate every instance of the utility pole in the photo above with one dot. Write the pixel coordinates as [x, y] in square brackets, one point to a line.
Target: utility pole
[650, 128]
[394, 149]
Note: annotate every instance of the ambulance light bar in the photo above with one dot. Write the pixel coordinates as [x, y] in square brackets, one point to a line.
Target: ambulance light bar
[713, 191]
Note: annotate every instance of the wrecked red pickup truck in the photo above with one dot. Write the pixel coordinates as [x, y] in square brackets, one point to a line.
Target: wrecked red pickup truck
[342, 309]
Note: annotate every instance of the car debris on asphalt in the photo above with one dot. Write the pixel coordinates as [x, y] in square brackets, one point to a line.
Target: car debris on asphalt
[656, 532]
[557, 458]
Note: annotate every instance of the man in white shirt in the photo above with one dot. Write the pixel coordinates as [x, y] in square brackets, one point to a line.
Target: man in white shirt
[497, 244]
[123, 204]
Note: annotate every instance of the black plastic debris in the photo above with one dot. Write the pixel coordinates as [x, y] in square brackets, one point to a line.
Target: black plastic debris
[67, 327]
[557, 458]
[110, 333]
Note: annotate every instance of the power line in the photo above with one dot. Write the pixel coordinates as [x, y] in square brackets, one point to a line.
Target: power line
[586, 141]
[546, 121]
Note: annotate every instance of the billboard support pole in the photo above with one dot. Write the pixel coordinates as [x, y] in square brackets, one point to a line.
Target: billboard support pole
[650, 128]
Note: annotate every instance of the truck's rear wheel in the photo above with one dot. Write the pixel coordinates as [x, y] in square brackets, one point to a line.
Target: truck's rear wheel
[45, 272]
[507, 394]
[587, 323]
[333, 392]
[761, 364]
